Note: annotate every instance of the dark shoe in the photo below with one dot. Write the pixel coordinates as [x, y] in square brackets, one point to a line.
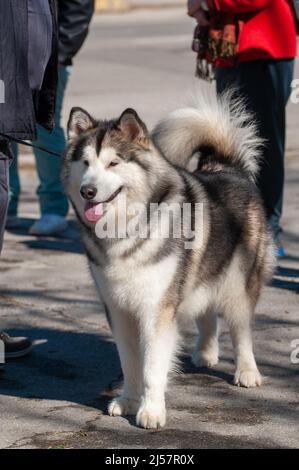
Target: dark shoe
[15, 347]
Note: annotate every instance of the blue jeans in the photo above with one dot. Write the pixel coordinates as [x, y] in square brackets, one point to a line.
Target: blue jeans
[5, 158]
[52, 198]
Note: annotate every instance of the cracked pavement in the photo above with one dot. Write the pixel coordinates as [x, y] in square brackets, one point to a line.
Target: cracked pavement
[57, 396]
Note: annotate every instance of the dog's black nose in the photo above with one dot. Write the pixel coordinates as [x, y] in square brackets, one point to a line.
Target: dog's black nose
[88, 192]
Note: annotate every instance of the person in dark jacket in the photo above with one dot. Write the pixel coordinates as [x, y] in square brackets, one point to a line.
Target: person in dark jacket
[73, 22]
[28, 78]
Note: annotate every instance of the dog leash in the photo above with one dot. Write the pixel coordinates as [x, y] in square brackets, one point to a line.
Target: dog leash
[24, 142]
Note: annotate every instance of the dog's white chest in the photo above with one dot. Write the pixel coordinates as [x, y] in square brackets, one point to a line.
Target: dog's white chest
[134, 287]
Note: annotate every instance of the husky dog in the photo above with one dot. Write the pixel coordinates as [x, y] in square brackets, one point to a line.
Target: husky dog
[149, 283]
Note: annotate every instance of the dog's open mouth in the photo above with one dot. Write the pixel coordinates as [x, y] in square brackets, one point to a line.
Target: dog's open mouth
[94, 211]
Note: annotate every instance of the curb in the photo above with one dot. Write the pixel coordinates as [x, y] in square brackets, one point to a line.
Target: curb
[111, 5]
[126, 5]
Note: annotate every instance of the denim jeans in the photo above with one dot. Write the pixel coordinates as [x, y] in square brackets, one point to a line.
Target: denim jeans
[266, 87]
[52, 198]
[3, 197]
[5, 159]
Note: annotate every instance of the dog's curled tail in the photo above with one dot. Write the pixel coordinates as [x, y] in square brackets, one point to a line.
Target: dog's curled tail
[218, 129]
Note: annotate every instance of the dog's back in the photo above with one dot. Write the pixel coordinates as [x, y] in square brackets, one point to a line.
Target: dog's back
[218, 138]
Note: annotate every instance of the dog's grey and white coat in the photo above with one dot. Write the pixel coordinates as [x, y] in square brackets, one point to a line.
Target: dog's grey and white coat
[148, 284]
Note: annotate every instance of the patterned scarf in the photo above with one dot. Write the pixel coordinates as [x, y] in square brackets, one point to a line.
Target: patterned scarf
[217, 42]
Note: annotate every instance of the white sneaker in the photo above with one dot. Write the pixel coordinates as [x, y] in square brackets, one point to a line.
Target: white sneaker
[49, 224]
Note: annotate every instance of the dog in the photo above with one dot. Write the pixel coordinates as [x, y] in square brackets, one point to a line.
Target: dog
[204, 157]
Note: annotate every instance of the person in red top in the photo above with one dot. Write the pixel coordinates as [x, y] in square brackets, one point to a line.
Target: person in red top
[261, 70]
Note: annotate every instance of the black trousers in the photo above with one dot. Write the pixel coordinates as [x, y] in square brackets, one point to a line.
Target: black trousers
[266, 87]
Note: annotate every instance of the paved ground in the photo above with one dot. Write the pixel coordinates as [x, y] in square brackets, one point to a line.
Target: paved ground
[57, 396]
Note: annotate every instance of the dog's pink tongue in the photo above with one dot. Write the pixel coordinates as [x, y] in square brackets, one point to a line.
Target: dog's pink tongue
[93, 212]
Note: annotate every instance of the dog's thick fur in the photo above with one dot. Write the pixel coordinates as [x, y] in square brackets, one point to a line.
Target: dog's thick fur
[147, 284]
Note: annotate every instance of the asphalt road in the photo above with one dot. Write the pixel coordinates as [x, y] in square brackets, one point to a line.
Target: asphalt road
[57, 396]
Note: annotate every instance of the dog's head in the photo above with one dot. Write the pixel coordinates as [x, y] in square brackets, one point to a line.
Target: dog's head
[106, 160]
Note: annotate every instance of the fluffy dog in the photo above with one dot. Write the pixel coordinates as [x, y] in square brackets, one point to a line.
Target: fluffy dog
[205, 159]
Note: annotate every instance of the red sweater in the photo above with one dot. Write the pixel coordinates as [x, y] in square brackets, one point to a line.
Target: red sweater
[269, 30]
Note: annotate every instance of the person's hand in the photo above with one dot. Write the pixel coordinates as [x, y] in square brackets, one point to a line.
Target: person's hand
[195, 10]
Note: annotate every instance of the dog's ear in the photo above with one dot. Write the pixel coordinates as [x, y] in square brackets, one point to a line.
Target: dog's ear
[132, 127]
[79, 121]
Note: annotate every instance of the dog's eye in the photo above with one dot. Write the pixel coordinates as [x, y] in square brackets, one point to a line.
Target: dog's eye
[86, 162]
[113, 163]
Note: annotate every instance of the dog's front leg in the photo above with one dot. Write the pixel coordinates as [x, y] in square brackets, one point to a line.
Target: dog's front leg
[158, 338]
[125, 331]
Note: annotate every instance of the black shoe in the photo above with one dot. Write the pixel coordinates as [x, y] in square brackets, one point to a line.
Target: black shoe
[15, 347]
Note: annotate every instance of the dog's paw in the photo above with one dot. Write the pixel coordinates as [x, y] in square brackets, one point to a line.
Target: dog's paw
[121, 406]
[205, 358]
[151, 417]
[248, 378]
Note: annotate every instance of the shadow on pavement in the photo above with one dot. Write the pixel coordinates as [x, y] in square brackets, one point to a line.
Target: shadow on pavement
[68, 240]
[12, 296]
[55, 244]
[286, 278]
[63, 365]
[83, 370]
